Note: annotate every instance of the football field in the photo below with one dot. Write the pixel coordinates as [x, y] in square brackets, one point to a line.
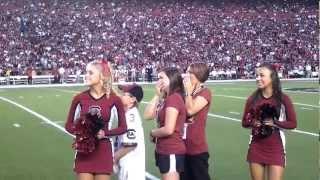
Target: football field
[33, 146]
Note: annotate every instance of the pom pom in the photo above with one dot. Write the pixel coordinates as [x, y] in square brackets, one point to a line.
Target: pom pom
[86, 129]
[261, 113]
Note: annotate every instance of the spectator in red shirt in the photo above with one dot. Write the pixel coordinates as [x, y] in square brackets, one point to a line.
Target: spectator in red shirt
[198, 101]
[266, 154]
[29, 74]
[168, 108]
[97, 164]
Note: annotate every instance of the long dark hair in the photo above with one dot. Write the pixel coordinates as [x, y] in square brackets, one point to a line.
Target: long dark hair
[175, 78]
[276, 87]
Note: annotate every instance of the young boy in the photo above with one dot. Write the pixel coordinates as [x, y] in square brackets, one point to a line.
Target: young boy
[130, 147]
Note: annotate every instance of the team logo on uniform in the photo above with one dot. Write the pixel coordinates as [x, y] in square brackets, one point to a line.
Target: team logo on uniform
[95, 110]
[131, 134]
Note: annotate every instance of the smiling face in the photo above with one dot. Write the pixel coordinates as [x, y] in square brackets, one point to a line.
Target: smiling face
[263, 78]
[93, 75]
[163, 81]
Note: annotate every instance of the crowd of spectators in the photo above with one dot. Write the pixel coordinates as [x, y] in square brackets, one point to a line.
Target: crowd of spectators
[140, 36]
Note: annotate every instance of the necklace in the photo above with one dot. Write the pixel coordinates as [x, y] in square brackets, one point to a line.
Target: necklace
[197, 90]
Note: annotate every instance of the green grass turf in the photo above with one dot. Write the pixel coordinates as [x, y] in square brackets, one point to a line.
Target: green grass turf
[39, 151]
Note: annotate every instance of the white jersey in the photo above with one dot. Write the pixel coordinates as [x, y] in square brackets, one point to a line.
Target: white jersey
[132, 165]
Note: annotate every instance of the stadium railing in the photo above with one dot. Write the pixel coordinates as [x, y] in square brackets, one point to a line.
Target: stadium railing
[41, 79]
[73, 80]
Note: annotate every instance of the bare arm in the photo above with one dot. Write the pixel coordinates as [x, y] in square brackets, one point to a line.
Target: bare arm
[150, 110]
[122, 152]
[195, 105]
[170, 124]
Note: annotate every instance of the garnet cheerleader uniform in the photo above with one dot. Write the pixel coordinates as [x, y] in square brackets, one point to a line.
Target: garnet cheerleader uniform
[100, 160]
[196, 162]
[170, 150]
[270, 150]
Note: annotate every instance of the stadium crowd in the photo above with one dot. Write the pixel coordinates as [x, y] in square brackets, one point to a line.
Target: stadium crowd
[60, 37]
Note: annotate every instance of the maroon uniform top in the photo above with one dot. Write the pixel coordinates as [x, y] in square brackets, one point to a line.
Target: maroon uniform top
[100, 160]
[196, 140]
[83, 102]
[174, 143]
[290, 121]
[276, 142]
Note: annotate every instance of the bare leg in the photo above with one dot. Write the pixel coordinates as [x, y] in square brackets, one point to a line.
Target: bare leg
[275, 172]
[85, 176]
[257, 171]
[102, 177]
[170, 176]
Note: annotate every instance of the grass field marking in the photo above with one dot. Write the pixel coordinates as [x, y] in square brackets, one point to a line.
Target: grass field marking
[52, 123]
[215, 115]
[304, 108]
[17, 125]
[41, 117]
[236, 113]
[56, 122]
[244, 98]
[239, 120]
[219, 95]
[151, 177]
[300, 92]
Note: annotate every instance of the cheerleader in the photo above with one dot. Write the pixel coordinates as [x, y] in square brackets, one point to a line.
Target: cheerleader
[98, 163]
[268, 111]
[167, 107]
[198, 101]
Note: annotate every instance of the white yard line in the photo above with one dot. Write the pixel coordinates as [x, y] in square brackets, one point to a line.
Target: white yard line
[299, 92]
[218, 116]
[239, 120]
[244, 98]
[236, 113]
[309, 109]
[54, 124]
[41, 117]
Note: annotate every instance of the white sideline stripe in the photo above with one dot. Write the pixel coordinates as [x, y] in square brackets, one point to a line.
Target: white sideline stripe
[232, 112]
[150, 176]
[214, 115]
[239, 120]
[244, 98]
[303, 108]
[146, 83]
[220, 95]
[41, 117]
[300, 92]
[57, 122]
[46, 120]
